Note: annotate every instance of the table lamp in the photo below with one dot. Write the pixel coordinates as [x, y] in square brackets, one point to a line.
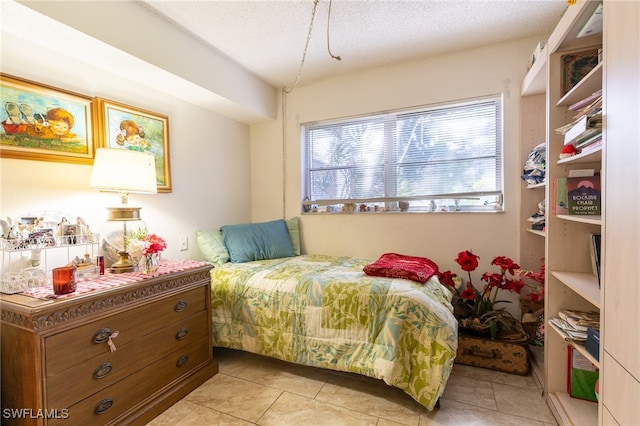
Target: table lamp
[124, 171]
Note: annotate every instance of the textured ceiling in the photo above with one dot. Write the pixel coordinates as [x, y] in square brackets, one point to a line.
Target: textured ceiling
[268, 37]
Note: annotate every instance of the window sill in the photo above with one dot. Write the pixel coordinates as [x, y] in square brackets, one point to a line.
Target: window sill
[383, 212]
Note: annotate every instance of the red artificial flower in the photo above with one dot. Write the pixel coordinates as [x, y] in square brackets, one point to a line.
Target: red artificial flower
[477, 306]
[468, 293]
[536, 296]
[492, 279]
[467, 261]
[474, 302]
[446, 278]
[513, 285]
[154, 244]
[505, 264]
[537, 293]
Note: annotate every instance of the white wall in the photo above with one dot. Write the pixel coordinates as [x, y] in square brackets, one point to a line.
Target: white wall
[141, 47]
[489, 70]
[220, 177]
[209, 154]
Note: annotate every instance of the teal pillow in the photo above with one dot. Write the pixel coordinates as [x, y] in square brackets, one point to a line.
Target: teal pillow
[257, 241]
[212, 247]
[293, 226]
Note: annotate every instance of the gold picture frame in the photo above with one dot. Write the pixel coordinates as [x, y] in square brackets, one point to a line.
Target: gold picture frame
[41, 122]
[127, 127]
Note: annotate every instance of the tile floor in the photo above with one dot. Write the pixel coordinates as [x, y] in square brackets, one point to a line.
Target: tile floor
[255, 390]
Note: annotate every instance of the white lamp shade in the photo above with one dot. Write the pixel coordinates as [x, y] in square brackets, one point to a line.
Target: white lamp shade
[125, 171]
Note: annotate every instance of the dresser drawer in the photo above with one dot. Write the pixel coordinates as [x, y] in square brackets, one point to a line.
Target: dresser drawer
[73, 347]
[104, 370]
[109, 403]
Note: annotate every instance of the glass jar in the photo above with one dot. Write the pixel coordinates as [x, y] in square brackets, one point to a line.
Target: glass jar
[149, 264]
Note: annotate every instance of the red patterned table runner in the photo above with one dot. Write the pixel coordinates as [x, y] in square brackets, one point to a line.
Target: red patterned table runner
[109, 280]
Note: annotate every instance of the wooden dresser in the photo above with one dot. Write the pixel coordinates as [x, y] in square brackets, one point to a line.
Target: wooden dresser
[58, 368]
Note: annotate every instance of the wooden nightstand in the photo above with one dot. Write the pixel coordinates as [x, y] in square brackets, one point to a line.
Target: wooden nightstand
[57, 366]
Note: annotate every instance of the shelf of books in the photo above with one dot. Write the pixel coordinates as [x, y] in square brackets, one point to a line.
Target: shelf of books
[578, 331]
[581, 348]
[583, 134]
[574, 201]
[578, 196]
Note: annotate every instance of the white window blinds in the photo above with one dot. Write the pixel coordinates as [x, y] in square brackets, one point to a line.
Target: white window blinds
[446, 154]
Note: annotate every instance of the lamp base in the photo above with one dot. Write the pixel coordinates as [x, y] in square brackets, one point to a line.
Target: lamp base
[124, 264]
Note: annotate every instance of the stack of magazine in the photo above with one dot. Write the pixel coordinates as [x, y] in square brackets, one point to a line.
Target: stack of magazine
[585, 132]
[572, 325]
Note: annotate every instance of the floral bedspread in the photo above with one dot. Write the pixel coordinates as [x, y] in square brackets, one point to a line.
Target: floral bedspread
[323, 311]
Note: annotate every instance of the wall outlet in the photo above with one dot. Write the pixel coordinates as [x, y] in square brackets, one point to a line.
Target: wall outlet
[184, 243]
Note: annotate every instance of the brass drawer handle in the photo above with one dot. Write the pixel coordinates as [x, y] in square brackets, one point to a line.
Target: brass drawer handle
[182, 333]
[180, 306]
[103, 405]
[102, 335]
[102, 370]
[182, 361]
[106, 335]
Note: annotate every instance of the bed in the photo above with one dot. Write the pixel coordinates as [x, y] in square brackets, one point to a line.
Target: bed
[324, 311]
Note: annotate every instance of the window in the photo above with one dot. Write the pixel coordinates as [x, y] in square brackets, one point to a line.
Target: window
[439, 158]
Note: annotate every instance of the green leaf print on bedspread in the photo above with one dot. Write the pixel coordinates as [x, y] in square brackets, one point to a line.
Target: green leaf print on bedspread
[324, 311]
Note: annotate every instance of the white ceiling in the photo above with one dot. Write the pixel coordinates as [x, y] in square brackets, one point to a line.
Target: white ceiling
[268, 36]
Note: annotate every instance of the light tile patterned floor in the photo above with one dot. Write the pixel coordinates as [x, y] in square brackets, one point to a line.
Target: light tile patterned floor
[255, 390]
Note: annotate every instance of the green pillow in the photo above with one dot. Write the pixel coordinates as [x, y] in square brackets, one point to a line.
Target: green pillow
[212, 247]
[257, 241]
[293, 226]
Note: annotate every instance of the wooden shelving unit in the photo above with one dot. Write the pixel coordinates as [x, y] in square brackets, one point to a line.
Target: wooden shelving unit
[569, 281]
[620, 363]
[533, 133]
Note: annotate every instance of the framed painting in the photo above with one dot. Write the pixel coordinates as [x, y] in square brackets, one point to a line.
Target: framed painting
[576, 66]
[127, 127]
[40, 122]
